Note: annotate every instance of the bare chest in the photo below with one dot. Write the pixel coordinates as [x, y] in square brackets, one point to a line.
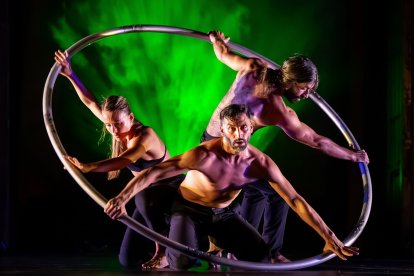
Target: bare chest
[228, 175]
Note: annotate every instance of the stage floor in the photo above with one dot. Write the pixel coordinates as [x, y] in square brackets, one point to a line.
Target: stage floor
[104, 265]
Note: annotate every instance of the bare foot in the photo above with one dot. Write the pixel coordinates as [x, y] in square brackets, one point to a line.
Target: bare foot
[217, 267]
[231, 256]
[280, 259]
[158, 261]
[218, 252]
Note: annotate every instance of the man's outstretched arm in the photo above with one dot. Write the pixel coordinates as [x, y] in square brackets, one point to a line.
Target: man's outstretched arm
[302, 133]
[115, 207]
[179, 164]
[298, 204]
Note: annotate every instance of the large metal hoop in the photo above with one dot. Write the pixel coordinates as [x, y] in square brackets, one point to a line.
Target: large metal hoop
[99, 199]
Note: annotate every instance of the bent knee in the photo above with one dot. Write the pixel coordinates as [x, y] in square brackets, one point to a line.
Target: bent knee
[178, 261]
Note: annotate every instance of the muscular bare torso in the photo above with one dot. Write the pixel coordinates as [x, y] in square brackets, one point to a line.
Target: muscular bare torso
[220, 177]
[245, 89]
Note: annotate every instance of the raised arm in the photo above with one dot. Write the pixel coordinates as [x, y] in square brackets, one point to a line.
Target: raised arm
[283, 187]
[84, 94]
[302, 133]
[226, 56]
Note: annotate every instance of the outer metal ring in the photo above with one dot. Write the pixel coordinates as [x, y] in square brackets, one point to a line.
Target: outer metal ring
[99, 199]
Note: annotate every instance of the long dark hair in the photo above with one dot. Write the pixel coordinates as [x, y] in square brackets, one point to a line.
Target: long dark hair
[299, 68]
[268, 77]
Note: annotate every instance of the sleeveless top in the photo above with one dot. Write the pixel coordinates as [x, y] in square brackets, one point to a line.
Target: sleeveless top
[142, 164]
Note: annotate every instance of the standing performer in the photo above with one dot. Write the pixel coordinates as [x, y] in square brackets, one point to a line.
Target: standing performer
[136, 147]
[262, 89]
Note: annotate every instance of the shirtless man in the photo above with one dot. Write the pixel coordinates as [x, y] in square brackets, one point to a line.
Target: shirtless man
[217, 171]
[262, 90]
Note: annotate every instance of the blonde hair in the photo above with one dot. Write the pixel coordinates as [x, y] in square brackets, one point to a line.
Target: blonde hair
[119, 104]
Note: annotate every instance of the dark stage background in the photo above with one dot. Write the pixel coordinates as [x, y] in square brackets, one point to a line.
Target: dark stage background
[362, 60]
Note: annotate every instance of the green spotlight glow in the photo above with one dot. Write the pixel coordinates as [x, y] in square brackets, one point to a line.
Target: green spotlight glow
[173, 83]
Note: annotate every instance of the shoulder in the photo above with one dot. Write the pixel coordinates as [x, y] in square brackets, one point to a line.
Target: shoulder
[258, 155]
[259, 63]
[260, 164]
[254, 152]
[278, 105]
[144, 135]
[198, 157]
[207, 148]
[253, 64]
[145, 132]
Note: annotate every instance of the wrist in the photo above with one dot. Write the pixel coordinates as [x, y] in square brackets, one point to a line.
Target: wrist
[89, 167]
[220, 41]
[354, 158]
[71, 76]
[328, 235]
[123, 198]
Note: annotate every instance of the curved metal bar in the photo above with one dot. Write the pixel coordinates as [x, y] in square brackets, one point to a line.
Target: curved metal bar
[127, 220]
[366, 178]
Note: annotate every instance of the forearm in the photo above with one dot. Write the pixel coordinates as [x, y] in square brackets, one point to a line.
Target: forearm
[332, 149]
[309, 215]
[115, 207]
[154, 174]
[302, 133]
[86, 97]
[220, 49]
[112, 164]
[136, 185]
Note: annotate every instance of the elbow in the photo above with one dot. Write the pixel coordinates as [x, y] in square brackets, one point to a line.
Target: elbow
[318, 143]
[294, 203]
[298, 204]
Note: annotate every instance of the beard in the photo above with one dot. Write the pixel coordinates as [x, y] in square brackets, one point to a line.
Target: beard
[239, 145]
